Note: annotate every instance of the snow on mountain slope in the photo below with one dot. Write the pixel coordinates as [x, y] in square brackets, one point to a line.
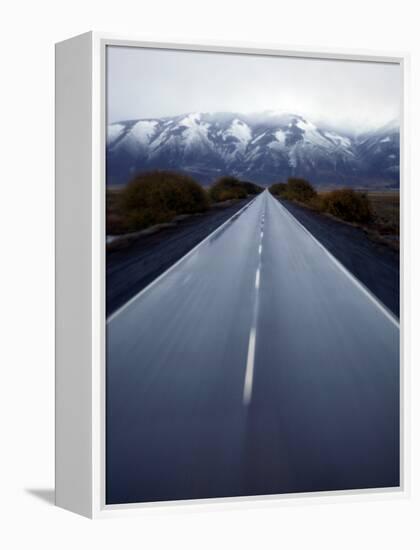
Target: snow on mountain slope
[262, 147]
[114, 132]
[240, 130]
[143, 131]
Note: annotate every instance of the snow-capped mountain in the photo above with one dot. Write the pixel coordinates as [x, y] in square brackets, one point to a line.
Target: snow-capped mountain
[263, 147]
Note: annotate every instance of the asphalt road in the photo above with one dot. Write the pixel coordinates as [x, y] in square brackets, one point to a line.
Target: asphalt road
[256, 365]
[132, 268]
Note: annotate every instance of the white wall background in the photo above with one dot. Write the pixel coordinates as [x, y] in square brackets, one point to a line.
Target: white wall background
[28, 32]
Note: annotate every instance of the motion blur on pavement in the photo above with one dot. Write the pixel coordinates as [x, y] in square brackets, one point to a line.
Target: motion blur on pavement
[256, 365]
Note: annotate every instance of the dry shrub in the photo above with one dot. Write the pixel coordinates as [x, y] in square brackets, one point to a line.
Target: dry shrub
[227, 188]
[348, 205]
[296, 189]
[278, 189]
[300, 190]
[157, 197]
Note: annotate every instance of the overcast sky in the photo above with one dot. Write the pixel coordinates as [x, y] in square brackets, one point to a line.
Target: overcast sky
[146, 83]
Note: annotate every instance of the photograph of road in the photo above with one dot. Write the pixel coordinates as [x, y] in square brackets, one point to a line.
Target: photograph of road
[252, 276]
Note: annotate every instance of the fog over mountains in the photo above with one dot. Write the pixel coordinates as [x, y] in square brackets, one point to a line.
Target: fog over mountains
[263, 147]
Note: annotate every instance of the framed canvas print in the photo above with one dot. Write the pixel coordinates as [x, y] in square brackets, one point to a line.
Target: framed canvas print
[230, 296]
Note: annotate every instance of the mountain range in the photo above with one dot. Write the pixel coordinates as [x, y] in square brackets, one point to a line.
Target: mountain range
[262, 147]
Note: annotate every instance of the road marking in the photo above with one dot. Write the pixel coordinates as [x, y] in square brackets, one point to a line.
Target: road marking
[249, 373]
[187, 255]
[262, 234]
[250, 361]
[388, 314]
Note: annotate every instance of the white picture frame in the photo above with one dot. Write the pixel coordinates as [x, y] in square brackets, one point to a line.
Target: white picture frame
[80, 274]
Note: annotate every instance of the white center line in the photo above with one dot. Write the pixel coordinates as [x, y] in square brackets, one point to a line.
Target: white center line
[249, 374]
